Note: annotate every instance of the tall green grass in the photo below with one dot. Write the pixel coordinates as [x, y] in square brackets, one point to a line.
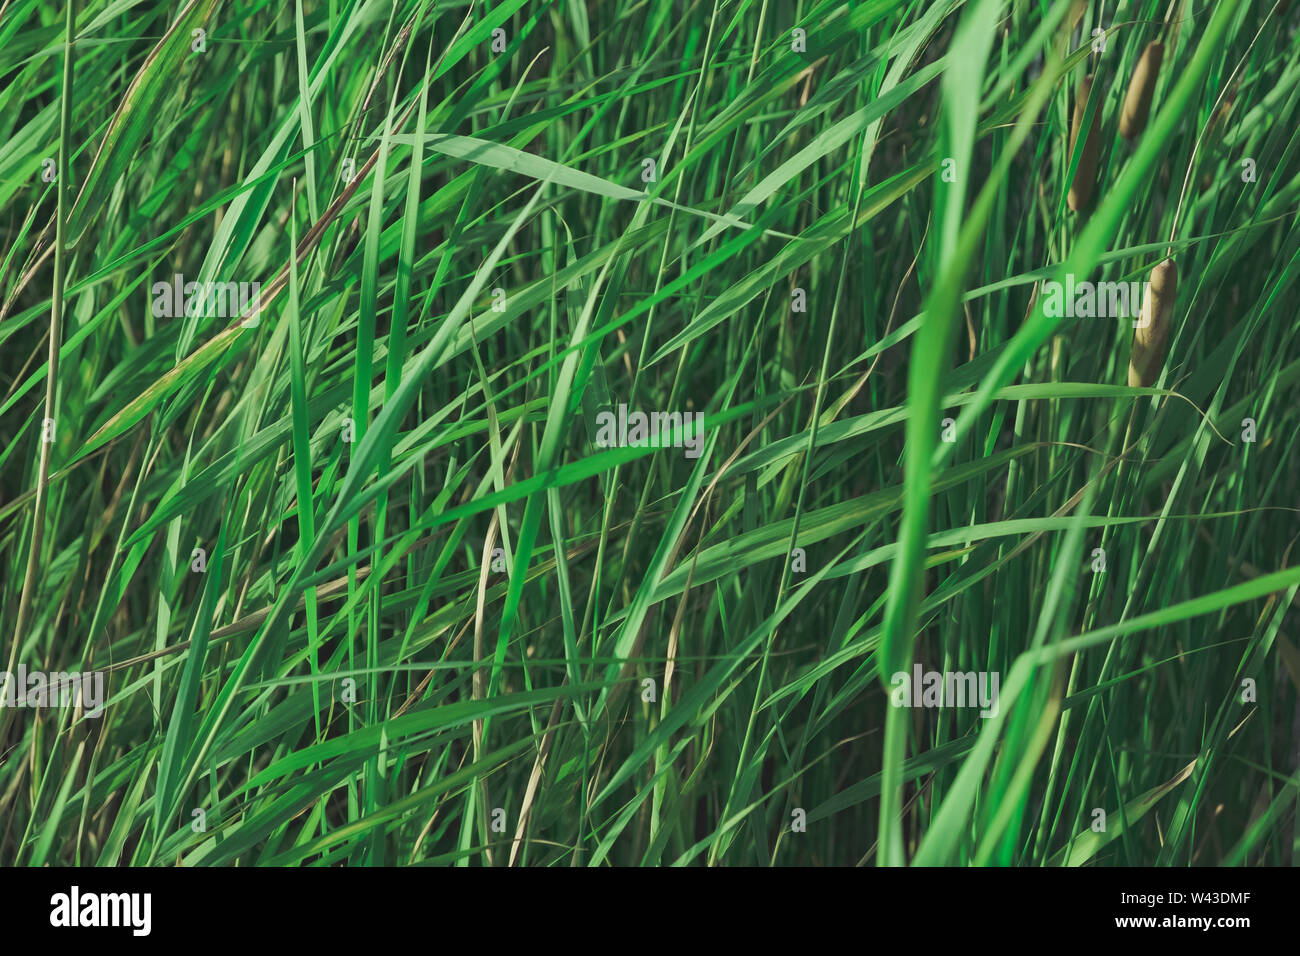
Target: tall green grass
[367, 584]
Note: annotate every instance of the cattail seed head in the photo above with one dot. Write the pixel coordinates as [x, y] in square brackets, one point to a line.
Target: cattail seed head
[1065, 30]
[1137, 102]
[1152, 332]
[1085, 174]
[1075, 16]
[1219, 120]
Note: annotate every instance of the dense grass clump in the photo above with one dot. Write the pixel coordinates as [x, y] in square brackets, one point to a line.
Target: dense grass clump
[558, 432]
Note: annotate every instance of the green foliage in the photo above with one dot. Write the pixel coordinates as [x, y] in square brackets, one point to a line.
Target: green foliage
[430, 591]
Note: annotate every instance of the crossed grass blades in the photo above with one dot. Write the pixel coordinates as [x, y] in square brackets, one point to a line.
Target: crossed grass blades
[468, 635]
